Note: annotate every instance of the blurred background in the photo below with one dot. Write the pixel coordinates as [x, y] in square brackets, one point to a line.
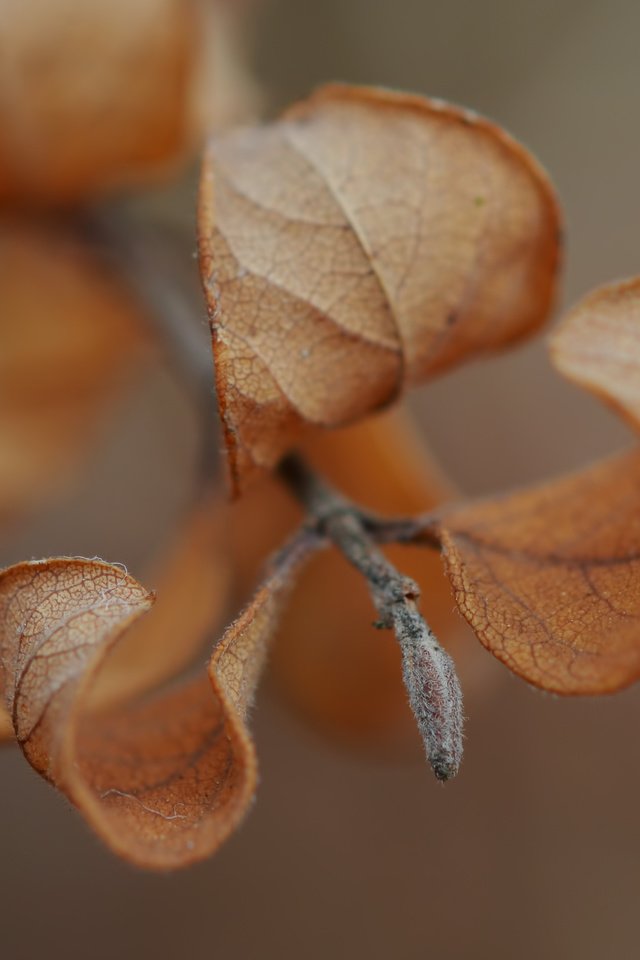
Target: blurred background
[533, 850]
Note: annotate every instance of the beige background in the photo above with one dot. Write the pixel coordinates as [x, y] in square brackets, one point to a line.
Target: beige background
[533, 852]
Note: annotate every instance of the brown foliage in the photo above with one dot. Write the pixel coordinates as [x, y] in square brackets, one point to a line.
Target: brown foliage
[364, 242]
[192, 591]
[164, 779]
[95, 94]
[6, 728]
[68, 330]
[597, 345]
[548, 578]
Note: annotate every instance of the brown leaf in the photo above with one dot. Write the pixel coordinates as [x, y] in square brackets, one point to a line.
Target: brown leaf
[192, 588]
[364, 242]
[597, 345]
[548, 578]
[165, 779]
[103, 94]
[93, 94]
[224, 91]
[68, 330]
[6, 727]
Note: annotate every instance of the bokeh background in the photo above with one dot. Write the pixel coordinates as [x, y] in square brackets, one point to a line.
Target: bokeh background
[533, 851]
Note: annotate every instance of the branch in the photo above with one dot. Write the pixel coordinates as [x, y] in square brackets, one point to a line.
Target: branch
[428, 670]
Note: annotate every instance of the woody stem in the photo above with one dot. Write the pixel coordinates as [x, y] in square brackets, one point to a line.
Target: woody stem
[428, 671]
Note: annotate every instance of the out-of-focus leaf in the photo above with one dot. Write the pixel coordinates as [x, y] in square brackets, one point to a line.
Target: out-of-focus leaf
[68, 330]
[93, 94]
[99, 94]
[364, 242]
[224, 91]
[548, 578]
[597, 345]
[165, 779]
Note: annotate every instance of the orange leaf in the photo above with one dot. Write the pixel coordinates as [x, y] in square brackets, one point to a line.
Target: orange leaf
[68, 330]
[364, 242]
[6, 727]
[192, 594]
[165, 779]
[597, 345]
[548, 578]
[94, 94]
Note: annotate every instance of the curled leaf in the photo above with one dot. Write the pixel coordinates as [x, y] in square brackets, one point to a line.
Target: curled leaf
[548, 578]
[364, 242]
[597, 345]
[192, 587]
[68, 331]
[165, 779]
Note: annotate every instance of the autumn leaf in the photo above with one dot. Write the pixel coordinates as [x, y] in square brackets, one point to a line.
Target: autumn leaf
[192, 588]
[94, 94]
[364, 242]
[597, 345]
[548, 577]
[108, 93]
[69, 330]
[166, 778]
[6, 728]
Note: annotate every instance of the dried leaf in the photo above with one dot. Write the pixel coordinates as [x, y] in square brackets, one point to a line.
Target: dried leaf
[192, 588]
[92, 94]
[103, 94]
[364, 242]
[6, 727]
[165, 779]
[68, 331]
[224, 91]
[597, 345]
[548, 578]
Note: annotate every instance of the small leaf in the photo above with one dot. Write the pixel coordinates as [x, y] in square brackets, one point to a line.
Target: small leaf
[548, 578]
[68, 332]
[165, 779]
[345, 256]
[597, 345]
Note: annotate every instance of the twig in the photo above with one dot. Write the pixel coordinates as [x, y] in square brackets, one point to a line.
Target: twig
[420, 531]
[428, 670]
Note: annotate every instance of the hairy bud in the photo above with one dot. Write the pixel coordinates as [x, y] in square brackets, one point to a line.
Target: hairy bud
[434, 691]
